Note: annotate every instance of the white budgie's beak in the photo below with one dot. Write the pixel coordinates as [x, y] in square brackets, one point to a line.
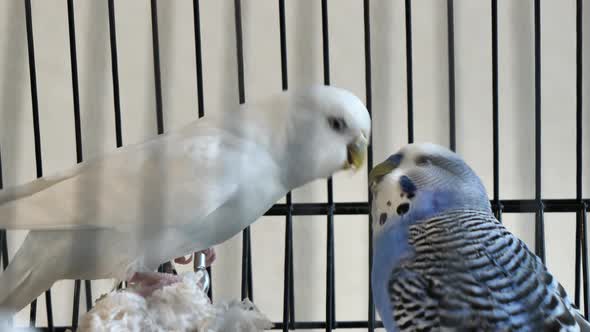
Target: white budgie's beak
[356, 153]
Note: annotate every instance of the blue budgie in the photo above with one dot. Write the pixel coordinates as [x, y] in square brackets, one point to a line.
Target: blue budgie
[442, 262]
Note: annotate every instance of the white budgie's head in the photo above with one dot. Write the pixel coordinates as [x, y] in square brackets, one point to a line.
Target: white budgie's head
[311, 132]
[420, 181]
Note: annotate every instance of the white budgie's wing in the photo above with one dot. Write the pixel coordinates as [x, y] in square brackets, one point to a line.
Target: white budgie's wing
[35, 186]
[174, 179]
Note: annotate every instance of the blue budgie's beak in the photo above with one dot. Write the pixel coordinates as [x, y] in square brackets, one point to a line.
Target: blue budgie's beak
[384, 168]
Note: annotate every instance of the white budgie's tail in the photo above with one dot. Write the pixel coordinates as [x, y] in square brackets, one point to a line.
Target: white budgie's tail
[28, 275]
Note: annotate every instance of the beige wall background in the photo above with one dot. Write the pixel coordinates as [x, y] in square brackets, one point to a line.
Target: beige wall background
[263, 76]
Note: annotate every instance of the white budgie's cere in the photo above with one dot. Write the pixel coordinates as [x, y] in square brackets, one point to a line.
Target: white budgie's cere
[179, 307]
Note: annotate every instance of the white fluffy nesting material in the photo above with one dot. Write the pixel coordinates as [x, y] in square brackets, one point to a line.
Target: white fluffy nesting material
[179, 307]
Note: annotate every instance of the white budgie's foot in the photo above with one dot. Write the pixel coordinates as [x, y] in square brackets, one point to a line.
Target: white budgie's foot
[145, 283]
[209, 257]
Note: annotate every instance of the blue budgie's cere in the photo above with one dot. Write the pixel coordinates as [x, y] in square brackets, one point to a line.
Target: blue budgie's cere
[442, 262]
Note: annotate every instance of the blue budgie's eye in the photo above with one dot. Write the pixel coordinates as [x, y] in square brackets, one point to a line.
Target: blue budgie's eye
[423, 161]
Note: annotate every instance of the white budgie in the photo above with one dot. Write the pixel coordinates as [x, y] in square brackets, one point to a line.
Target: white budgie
[442, 262]
[185, 191]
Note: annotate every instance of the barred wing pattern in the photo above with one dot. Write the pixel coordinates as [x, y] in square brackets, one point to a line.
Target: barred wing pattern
[469, 273]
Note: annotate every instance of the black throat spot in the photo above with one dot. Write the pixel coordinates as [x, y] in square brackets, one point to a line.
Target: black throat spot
[403, 209]
[382, 218]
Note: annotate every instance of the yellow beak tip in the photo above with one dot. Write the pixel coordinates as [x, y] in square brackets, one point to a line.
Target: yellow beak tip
[357, 159]
[357, 152]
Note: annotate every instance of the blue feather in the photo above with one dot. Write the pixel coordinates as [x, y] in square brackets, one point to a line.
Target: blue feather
[391, 247]
[389, 250]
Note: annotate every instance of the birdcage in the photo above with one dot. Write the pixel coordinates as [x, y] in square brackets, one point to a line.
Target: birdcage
[485, 92]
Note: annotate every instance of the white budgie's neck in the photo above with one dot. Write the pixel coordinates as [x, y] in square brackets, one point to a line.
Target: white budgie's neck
[272, 125]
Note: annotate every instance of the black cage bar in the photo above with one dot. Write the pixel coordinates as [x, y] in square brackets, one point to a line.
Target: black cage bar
[538, 205]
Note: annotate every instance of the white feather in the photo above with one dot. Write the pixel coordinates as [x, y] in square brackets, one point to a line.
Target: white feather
[180, 307]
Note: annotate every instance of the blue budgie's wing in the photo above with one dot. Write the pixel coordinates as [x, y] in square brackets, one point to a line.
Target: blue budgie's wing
[424, 301]
[470, 273]
[414, 301]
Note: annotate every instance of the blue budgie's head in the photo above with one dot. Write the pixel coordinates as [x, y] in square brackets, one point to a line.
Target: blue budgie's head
[420, 181]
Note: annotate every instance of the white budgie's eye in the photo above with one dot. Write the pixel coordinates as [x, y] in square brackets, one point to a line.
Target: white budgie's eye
[337, 124]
